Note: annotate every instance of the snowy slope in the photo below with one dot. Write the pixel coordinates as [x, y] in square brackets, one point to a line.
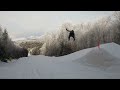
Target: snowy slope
[88, 63]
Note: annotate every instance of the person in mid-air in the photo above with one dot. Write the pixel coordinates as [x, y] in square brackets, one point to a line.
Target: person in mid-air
[71, 34]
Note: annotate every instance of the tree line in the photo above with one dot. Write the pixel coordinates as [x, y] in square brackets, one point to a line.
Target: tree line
[8, 50]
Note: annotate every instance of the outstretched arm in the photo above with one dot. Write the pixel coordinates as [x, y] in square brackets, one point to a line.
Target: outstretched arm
[68, 30]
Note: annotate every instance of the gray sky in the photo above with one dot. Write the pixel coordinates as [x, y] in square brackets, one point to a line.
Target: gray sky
[34, 23]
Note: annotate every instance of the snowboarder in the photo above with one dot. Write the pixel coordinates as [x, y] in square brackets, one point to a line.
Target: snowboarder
[71, 34]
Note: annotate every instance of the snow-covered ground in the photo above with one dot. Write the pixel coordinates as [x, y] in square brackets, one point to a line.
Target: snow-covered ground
[103, 63]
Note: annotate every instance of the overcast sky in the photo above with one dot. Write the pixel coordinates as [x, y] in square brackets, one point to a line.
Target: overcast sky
[33, 23]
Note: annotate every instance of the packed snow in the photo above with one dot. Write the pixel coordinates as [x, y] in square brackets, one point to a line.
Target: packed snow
[91, 63]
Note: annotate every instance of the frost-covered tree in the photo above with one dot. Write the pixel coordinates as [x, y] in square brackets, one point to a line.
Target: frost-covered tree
[8, 50]
[116, 23]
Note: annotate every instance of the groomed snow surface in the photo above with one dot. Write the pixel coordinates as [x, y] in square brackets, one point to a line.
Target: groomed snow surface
[92, 63]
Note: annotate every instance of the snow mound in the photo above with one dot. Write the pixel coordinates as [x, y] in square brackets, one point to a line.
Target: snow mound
[99, 58]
